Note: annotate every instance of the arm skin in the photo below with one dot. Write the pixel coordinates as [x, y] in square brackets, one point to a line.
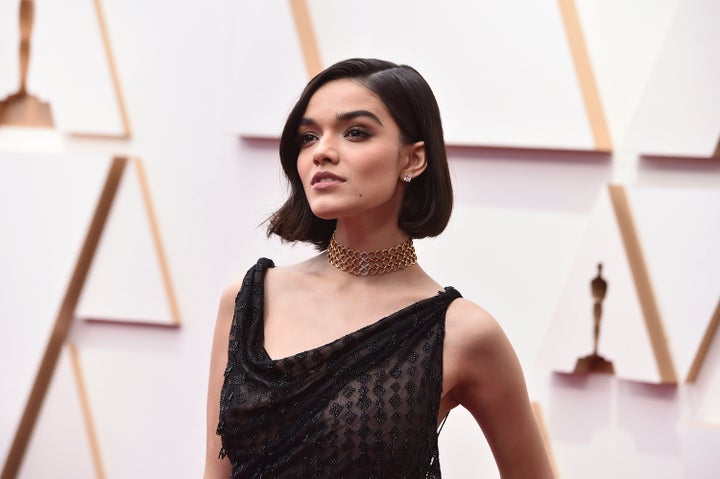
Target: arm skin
[493, 390]
[215, 467]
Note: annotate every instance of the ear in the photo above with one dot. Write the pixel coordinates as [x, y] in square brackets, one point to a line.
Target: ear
[415, 162]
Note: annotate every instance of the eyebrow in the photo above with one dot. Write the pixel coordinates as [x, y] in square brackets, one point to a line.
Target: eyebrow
[350, 115]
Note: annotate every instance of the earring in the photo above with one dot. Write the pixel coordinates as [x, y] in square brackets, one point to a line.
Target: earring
[407, 178]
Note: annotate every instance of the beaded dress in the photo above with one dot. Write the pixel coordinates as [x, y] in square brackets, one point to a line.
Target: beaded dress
[362, 406]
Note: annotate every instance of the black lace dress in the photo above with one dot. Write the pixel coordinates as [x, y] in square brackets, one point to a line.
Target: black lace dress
[363, 406]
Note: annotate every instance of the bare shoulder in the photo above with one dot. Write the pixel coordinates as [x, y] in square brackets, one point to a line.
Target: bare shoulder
[227, 299]
[276, 277]
[474, 337]
[484, 375]
[291, 277]
[232, 289]
[469, 327]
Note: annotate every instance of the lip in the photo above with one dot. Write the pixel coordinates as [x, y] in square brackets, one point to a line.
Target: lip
[324, 179]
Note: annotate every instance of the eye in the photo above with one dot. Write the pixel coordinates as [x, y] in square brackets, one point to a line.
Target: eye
[356, 133]
[307, 138]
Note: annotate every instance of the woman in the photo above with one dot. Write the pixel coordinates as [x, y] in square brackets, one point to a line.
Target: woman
[345, 364]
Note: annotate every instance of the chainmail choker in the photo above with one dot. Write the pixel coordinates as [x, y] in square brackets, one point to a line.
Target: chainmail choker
[370, 263]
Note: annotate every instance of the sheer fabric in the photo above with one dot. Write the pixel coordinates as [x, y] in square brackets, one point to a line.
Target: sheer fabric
[363, 406]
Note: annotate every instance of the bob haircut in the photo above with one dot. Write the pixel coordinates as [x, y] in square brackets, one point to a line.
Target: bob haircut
[427, 203]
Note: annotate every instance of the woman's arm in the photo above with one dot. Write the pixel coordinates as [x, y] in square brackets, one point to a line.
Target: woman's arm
[491, 386]
[215, 467]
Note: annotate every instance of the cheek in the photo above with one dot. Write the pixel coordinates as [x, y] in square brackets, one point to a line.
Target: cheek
[303, 165]
[379, 182]
[381, 173]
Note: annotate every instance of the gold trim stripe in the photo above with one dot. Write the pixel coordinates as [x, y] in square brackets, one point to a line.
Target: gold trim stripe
[702, 351]
[157, 241]
[86, 412]
[537, 410]
[131, 322]
[586, 78]
[63, 321]
[306, 35]
[113, 71]
[643, 285]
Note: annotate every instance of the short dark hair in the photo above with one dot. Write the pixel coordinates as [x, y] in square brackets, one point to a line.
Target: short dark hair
[428, 199]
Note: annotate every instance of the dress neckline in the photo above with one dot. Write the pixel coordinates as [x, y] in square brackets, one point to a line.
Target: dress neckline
[375, 324]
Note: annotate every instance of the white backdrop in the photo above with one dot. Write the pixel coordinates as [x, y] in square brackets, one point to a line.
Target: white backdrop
[519, 221]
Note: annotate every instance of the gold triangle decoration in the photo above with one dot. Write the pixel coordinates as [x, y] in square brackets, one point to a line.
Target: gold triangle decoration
[124, 118]
[537, 410]
[157, 241]
[629, 316]
[704, 347]
[62, 415]
[684, 361]
[115, 308]
[682, 258]
[306, 36]
[63, 322]
[87, 412]
[585, 76]
[643, 285]
[576, 43]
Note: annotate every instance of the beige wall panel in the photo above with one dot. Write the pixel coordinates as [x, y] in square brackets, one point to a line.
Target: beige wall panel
[464, 451]
[502, 71]
[69, 67]
[624, 40]
[517, 225]
[624, 337]
[47, 203]
[132, 375]
[126, 280]
[511, 86]
[503, 266]
[700, 445]
[605, 427]
[680, 230]
[60, 426]
[266, 72]
[9, 47]
[679, 111]
[31, 140]
[703, 395]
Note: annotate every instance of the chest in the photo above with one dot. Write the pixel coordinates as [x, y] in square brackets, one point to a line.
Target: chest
[363, 406]
[303, 319]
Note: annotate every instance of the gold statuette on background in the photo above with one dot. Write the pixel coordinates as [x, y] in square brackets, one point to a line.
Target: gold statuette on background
[22, 108]
[594, 363]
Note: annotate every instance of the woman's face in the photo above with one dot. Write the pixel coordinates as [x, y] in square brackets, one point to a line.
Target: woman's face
[351, 156]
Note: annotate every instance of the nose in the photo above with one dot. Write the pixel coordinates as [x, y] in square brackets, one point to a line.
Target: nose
[325, 151]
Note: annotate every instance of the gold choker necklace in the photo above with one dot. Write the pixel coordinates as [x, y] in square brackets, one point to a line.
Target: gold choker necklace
[369, 263]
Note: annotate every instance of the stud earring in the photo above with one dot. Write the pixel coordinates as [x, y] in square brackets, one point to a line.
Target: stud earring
[407, 178]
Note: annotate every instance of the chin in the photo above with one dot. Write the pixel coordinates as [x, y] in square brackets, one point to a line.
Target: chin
[326, 210]
[326, 215]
